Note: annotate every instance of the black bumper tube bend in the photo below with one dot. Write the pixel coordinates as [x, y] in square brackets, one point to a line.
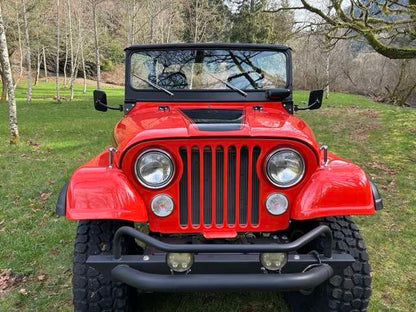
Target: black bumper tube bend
[203, 282]
[217, 248]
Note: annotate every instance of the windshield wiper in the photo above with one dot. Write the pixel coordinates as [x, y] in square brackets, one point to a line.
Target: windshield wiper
[157, 87]
[229, 85]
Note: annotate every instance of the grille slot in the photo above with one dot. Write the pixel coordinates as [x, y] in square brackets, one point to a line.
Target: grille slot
[243, 184]
[207, 185]
[195, 184]
[229, 186]
[183, 189]
[255, 188]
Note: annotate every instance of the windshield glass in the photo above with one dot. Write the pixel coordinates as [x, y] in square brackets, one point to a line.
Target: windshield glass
[208, 69]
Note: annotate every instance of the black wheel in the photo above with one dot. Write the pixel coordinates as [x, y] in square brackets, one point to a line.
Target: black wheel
[349, 291]
[91, 290]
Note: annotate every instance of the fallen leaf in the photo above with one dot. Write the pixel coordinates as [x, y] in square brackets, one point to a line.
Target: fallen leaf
[42, 277]
[45, 196]
[6, 279]
[23, 291]
[35, 145]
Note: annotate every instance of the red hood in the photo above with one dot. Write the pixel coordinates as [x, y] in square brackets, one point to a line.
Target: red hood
[167, 120]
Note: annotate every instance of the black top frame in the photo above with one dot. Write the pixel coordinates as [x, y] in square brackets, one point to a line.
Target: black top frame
[133, 95]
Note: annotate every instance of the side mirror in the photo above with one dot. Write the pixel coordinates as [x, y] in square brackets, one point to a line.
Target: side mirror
[315, 100]
[100, 102]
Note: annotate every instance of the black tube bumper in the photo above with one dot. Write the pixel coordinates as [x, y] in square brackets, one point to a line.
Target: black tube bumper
[221, 266]
[200, 282]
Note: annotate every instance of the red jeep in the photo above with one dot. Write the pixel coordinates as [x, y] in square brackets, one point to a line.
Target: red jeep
[212, 183]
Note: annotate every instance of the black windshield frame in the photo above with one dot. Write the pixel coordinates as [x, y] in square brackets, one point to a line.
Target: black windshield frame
[133, 95]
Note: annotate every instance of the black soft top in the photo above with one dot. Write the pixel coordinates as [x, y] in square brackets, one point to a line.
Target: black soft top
[208, 45]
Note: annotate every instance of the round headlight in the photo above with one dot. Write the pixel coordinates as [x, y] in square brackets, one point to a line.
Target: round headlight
[285, 167]
[154, 169]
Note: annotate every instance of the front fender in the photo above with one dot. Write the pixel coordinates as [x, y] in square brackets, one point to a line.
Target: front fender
[102, 193]
[339, 188]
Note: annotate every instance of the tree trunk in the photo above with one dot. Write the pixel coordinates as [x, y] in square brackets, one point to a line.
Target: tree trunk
[19, 38]
[37, 68]
[58, 98]
[71, 47]
[75, 66]
[45, 67]
[131, 39]
[4, 92]
[171, 16]
[97, 49]
[84, 72]
[66, 59]
[327, 77]
[7, 73]
[28, 57]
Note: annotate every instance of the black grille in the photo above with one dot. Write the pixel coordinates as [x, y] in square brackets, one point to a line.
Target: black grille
[220, 175]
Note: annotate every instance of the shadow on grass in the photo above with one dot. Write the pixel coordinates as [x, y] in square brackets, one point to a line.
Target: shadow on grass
[212, 302]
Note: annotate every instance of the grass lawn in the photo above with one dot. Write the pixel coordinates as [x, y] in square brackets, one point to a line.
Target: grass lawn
[57, 138]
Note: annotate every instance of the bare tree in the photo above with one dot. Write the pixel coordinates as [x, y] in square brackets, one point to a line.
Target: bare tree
[19, 36]
[327, 71]
[66, 58]
[131, 34]
[45, 66]
[28, 56]
[84, 71]
[38, 61]
[71, 47]
[5, 62]
[58, 98]
[94, 4]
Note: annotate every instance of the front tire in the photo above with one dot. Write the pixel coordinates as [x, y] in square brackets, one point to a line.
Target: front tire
[348, 291]
[91, 290]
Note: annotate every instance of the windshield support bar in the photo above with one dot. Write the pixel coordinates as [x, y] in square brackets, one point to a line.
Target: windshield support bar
[154, 85]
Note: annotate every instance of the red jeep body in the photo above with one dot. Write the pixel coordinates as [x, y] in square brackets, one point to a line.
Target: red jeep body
[219, 142]
[96, 191]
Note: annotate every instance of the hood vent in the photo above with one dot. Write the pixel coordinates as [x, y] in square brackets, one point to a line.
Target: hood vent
[215, 119]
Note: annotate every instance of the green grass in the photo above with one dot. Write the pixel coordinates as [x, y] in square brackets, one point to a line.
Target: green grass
[57, 138]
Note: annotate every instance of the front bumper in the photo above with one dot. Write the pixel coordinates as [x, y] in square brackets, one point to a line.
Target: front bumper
[221, 266]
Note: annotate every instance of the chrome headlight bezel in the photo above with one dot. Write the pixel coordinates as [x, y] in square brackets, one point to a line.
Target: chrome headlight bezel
[142, 181]
[298, 178]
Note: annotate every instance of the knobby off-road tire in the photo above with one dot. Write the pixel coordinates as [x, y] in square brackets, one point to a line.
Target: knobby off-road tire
[91, 290]
[349, 291]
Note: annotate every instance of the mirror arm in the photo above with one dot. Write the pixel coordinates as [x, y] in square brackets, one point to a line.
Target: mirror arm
[297, 108]
[120, 108]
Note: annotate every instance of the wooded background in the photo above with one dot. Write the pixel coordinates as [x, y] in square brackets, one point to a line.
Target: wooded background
[364, 47]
